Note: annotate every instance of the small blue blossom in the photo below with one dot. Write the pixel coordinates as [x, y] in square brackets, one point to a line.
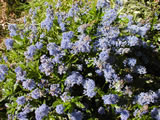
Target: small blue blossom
[42, 111]
[131, 62]
[3, 71]
[46, 65]
[101, 110]
[22, 116]
[132, 41]
[89, 86]
[55, 89]
[20, 74]
[141, 69]
[62, 26]
[155, 113]
[48, 22]
[109, 16]
[60, 109]
[128, 78]
[9, 44]
[39, 45]
[124, 114]
[53, 49]
[82, 28]
[30, 52]
[65, 97]
[21, 100]
[42, 35]
[13, 29]
[103, 4]
[103, 56]
[109, 73]
[36, 93]
[58, 4]
[73, 11]
[66, 43]
[29, 84]
[110, 99]
[146, 98]
[82, 45]
[74, 78]
[76, 115]
[5, 58]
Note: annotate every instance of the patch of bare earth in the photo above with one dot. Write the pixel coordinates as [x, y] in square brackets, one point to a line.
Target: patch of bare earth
[6, 19]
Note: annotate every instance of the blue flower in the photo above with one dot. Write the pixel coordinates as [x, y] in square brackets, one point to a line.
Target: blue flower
[48, 22]
[89, 86]
[109, 16]
[42, 111]
[146, 98]
[65, 97]
[123, 113]
[9, 44]
[5, 58]
[128, 78]
[30, 52]
[2, 77]
[39, 45]
[29, 84]
[103, 4]
[13, 29]
[20, 74]
[76, 115]
[3, 71]
[109, 73]
[55, 89]
[110, 99]
[82, 45]
[103, 56]
[21, 100]
[155, 113]
[132, 41]
[22, 116]
[66, 43]
[53, 49]
[46, 65]
[60, 109]
[36, 93]
[131, 62]
[141, 69]
[74, 78]
[62, 26]
[73, 11]
[67, 35]
[101, 110]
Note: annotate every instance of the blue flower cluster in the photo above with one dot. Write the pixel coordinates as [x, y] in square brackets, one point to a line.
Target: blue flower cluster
[146, 98]
[9, 44]
[21, 100]
[60, 109]
[89, 86]
[3, 71]
[41, 112]
[48, 22]
[13, 29]
[110, 99]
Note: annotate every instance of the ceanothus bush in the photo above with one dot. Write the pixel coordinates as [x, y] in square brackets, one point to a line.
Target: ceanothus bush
[80, 61]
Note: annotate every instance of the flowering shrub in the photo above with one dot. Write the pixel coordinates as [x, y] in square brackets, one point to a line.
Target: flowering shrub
[82, 61]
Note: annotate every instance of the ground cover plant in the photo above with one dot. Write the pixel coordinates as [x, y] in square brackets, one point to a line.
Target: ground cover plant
[80, 60]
